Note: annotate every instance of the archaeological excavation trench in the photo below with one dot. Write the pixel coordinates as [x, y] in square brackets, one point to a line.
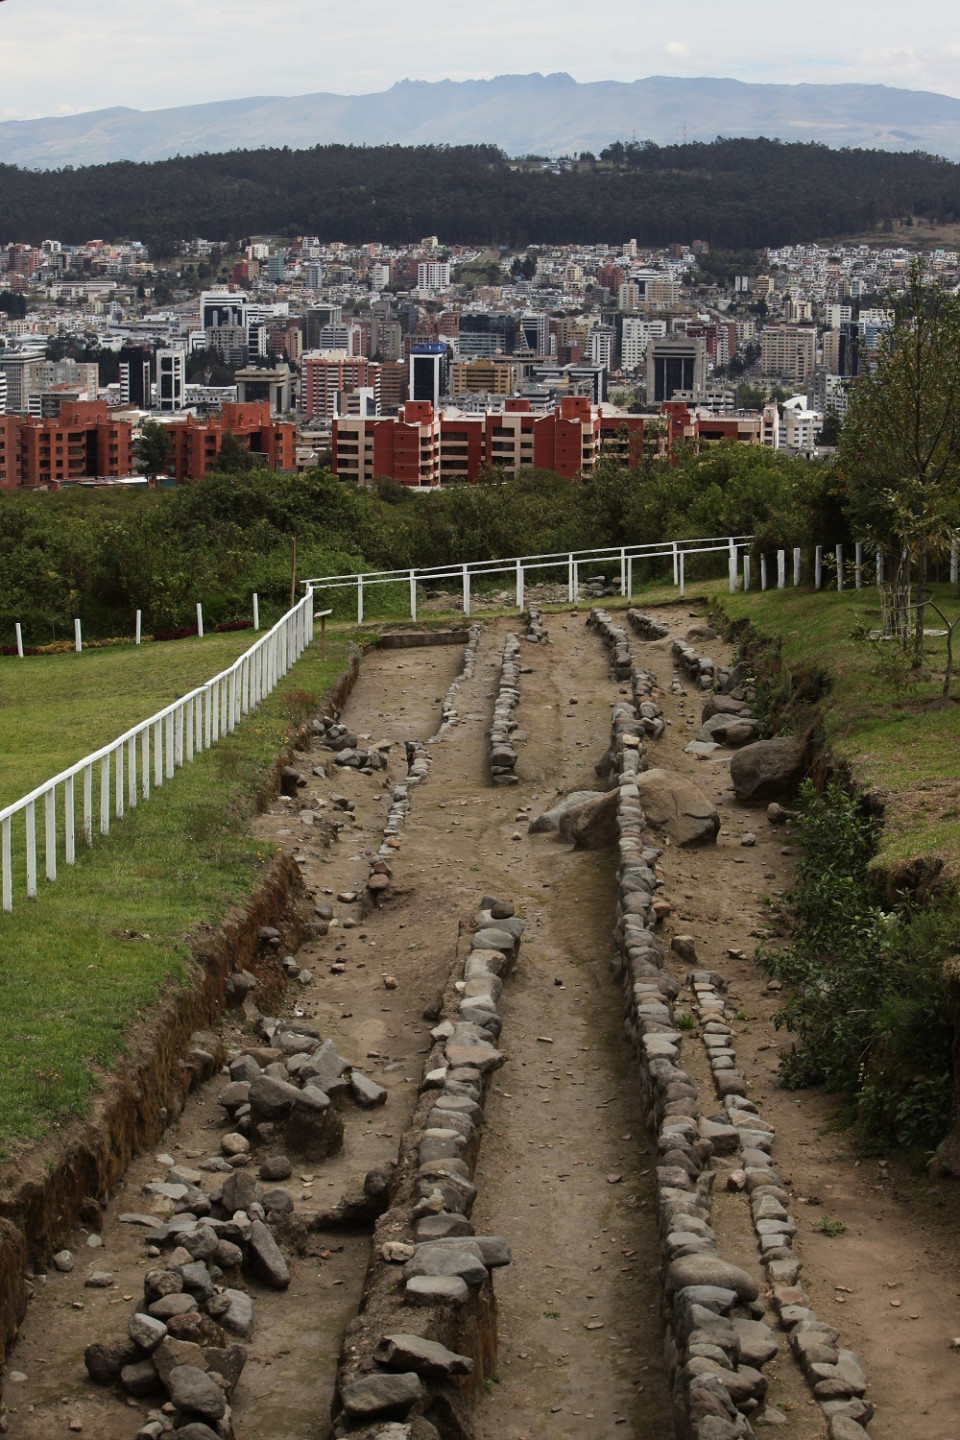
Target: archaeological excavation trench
[495, 1151]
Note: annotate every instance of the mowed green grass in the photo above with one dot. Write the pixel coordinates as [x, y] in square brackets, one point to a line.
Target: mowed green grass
[54, 709]
[71, 984]
[892, 731]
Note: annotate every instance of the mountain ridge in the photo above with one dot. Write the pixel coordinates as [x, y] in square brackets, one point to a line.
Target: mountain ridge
[544, 114]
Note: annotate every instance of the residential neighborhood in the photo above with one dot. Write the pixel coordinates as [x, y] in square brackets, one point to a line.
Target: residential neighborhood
[423, 364]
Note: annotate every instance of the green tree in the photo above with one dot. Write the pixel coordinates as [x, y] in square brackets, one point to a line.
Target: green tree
[233, 458]
[154, 450]
[900, 446]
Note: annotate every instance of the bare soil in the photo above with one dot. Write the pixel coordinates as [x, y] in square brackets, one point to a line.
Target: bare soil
[564, 1170]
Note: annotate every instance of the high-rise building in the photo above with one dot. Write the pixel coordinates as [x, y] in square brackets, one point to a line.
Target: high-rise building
[428, 373]
[788, 350]
[135, 386]
[328, 375]
[171, 379]
[674, 362]
[637, 334]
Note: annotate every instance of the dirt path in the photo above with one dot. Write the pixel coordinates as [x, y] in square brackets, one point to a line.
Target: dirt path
[565, 1173]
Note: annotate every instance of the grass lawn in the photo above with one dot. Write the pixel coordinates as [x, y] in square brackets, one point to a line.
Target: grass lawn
[54, 709]
[70, 984]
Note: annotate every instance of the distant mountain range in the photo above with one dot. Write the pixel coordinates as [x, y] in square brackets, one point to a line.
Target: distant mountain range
[542, 114]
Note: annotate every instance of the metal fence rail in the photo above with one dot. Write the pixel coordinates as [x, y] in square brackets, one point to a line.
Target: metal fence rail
[143, 757]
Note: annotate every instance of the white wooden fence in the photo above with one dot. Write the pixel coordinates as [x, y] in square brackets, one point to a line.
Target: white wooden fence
[572, 562]
[124, 772]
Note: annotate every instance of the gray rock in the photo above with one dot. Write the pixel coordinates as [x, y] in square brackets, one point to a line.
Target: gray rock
[63, 1261]
[593, 825]
[365, 1091]
[436, 1290]
[140, 1378]
[271, 1099]
[276, 1167]
[265, 1259]
[767, 769]
[549, 821]
[241, 1189]
[442, 1257]
[710, 1270]
[105, 1359]
[193, 1389]
[233, 1309]
[99, 1280]
[673, 805]
[426, 1357]
[146, 1330]
[381, 1394]
[443, 1226]
[758, 1343]
[196, 1430]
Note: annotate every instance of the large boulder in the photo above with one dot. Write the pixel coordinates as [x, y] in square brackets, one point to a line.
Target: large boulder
[673, 805]
[549, 821]
[767, 769]
[592, 825]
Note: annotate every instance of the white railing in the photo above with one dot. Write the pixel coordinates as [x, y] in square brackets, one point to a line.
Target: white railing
[571, 561]
[148, 754]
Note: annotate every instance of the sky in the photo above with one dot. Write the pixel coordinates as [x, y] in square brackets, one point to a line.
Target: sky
[60, 57]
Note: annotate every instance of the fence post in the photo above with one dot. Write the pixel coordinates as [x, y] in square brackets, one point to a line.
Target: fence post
[576, 583]
[6, 865]
[145, 762]
[105, 795]
[132, 772]
[30, 820]
[746, 573]
[69, 823]
[466, 591]
[19, 640]
[77, 636]
[732, 568]
[136, 636]
[571, 592]
[682, 557]
[158, 754]
[954, 575]
[178, 736]
[818, 568]
[839, 567]
[763, 572]
[118, 781]
[256, 611]
[623, 571]
[199, 620]
[797, 560]
[359, 599]
[781, 569]
[88, 804]
[858, 565]
[676, 565]
[50, 832]
[519, 585]
[413, 594]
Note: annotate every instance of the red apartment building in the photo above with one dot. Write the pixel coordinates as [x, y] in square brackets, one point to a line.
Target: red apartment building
[196, 443]
[325, 375]
[84, 443]
[418, 447]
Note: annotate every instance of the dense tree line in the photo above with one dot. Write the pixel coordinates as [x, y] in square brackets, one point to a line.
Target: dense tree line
[102, 555]
[733, 193]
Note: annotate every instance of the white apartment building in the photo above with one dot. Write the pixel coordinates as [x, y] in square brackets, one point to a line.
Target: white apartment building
[788, 350]
[433, 275]
[637, 333]
[170, 386]
[600, 346]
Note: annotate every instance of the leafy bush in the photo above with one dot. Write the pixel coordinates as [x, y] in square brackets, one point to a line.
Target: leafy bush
[865, 995]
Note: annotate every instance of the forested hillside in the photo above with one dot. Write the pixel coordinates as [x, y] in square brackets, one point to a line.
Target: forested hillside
[732, 193]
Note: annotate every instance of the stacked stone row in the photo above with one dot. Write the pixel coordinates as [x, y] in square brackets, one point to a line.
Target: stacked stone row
[419, 761]
[616, 640]
[502, 753]
[835, 1374]
[705, 1298]
[449, 715]
[644, 686]
[698, 668]
[647, 627]
[536, 631]
[447, 1266]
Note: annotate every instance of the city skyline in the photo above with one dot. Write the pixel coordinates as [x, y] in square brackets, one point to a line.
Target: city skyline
[152, 56]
